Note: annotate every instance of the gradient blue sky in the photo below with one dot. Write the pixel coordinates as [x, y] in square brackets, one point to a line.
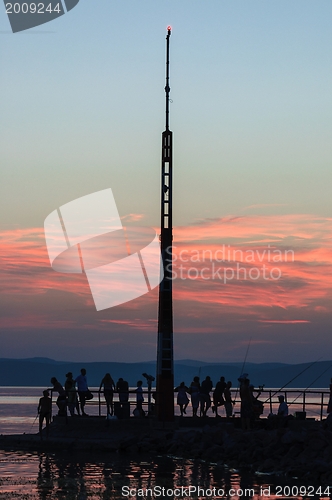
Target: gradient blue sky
[82, 107]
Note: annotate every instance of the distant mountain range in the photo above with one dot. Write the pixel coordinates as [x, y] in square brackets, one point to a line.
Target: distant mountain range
[38, 372]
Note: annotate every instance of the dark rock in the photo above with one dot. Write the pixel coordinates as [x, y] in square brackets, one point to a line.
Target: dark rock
[189, 437]
[126, 443]
[268, 465]
[317, 444]
[321, 466]
[294, 450]
[132, 449]
[245, 458]
[257, 454]
[213, 453]
[229, 443]
[290, 437]
[173, 448]
[197, 450]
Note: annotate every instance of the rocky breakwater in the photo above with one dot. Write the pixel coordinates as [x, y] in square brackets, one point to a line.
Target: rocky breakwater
[301, 450]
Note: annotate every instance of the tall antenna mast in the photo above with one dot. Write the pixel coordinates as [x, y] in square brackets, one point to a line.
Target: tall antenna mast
[167, 87]
[165, 370]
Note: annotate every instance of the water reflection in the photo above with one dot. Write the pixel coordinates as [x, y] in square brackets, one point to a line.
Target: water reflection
[73, 476]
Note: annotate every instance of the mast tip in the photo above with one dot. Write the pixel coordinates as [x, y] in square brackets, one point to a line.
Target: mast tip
[169, 28]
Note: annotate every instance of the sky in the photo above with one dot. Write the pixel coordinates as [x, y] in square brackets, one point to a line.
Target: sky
[82, 107]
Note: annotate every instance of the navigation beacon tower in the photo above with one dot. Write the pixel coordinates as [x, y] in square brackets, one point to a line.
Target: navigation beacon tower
[165, 372]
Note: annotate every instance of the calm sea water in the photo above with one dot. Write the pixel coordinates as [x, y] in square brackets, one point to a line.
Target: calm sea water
[43, 476]
[73, 476]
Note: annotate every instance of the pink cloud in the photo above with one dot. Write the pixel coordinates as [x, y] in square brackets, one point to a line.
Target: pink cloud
[277, 321]
[302, 227]
[303, 291]
[132, 217]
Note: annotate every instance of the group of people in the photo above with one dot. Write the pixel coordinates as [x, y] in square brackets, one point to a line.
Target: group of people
[75, 393]
[76, 399]
[200, 396]
[69, 397]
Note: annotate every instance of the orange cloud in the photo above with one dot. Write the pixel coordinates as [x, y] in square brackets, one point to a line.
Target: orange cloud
[275, 227]
[132, 217]
[298, 246]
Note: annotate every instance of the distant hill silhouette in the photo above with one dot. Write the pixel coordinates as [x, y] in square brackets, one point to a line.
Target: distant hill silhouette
[38, 372]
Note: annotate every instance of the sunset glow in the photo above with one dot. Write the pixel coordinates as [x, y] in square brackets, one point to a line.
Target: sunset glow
[299, 247]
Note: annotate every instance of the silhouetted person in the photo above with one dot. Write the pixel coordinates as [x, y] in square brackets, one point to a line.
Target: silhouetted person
[194, 391]
[258, 406]
[218, 398]
[71, 394]
[82, 387]
[139, 400]
[122, 387]
[182, 398]
[44, 412]
[283, 407]
[206, 388]
[109, 388]
[61, 400]
[228, 400]
[329, 406]
[246, 403]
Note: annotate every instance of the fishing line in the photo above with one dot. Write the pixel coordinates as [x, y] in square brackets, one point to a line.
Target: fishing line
[328, 368]
[243, 365]
[33, 423]
[281, 388]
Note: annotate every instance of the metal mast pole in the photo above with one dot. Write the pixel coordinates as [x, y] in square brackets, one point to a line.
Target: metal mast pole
[165, 372]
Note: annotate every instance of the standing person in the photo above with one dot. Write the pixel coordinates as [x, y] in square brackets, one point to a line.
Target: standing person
[329, 406]
[71, 394]
[218, 399]
[228, 400]
[283, 407]
[109, 388]
[205, 398]
[139, 400]
[122, 387]
[82, 387]
[61, 401]
[44, 412]
[246, 403]
[194, 391]
[182, 398]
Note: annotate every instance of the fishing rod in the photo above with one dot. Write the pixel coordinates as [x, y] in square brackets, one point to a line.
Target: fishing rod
[290, 381]
[245, 358]
[243, 365]
[34, 422]
[199, 376]
[319, 376]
